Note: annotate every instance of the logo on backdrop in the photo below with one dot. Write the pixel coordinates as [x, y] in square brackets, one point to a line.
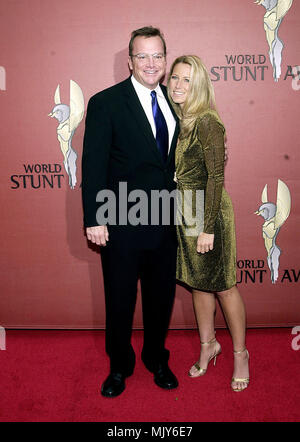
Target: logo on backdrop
[296, 79]
[38, 176]
[69, 118]
[254, 67]
[2, 79]
[274, 216]
[257, 270]
[241, 67]
[275, 12]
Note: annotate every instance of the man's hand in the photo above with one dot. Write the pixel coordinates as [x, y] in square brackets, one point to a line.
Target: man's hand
[205, 242]
[98, 235]
[225, 153]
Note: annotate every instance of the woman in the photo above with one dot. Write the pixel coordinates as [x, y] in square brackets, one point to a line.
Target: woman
[206, 261]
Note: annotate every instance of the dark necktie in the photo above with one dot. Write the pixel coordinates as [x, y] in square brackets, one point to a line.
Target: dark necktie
[162, 134]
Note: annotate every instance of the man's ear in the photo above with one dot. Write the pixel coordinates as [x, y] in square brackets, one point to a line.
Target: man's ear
[130, 63]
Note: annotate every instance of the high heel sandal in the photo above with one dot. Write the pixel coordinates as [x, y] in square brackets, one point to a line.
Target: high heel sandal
[202, 371]
[245, 380]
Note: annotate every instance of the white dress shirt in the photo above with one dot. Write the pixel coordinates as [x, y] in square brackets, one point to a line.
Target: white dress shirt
[145, 98]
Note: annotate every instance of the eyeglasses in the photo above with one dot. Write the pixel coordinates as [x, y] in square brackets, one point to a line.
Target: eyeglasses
[143, 58]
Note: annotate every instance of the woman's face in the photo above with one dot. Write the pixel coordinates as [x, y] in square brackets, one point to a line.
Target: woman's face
[179, 83]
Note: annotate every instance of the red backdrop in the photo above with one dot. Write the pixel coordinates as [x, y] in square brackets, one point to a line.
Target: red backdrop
[50, 276]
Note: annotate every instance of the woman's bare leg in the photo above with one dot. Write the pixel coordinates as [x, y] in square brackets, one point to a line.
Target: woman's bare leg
[234, 311]
[204, 308]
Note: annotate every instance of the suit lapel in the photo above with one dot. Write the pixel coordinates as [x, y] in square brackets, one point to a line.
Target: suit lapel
[138, 113]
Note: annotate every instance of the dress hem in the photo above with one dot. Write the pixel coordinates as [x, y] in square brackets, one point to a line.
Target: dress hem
[205, 289]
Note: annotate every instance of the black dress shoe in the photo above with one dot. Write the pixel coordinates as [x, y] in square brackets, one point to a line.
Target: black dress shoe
[113, 385]
[164, 378]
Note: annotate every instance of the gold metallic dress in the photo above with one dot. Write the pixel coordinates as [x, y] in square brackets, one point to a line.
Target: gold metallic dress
[200, 165]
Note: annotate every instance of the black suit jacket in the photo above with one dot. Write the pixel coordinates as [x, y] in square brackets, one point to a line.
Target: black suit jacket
[119, 146]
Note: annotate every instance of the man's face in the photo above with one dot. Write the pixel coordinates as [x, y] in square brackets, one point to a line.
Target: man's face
[148, 71]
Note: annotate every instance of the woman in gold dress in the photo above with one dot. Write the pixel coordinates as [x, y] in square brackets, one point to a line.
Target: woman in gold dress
[206, 260]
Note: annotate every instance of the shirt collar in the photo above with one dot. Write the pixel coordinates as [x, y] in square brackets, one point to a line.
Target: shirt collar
[144, 90]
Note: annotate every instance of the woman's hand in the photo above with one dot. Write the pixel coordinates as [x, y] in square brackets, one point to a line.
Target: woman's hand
[205, 242]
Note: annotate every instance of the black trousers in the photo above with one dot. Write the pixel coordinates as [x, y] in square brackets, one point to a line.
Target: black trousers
[124, 263]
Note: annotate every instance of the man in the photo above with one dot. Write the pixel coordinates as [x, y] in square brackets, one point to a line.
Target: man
[130, 137]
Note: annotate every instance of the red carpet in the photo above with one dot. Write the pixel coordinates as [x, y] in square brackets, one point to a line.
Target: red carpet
[55, 376]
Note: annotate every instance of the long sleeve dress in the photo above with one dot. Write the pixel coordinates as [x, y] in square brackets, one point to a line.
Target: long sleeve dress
[200, 166]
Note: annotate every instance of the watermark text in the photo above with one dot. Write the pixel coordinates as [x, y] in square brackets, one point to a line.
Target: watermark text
[296, 339]
[2, 79]
[2, 338]
[157, 207]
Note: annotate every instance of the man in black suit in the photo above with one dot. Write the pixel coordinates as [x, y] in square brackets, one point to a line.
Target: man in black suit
[130, 139]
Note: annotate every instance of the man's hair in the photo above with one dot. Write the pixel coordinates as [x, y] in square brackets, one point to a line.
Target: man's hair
[147, 31]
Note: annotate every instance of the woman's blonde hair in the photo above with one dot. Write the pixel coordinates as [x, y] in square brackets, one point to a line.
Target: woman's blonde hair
[200, 96]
